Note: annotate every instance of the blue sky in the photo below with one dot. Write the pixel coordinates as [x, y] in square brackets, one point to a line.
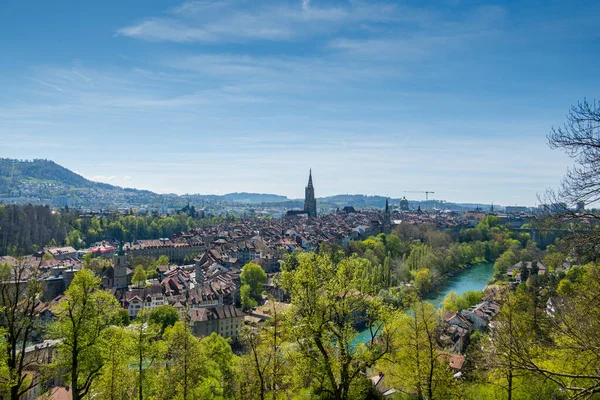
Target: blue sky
[454, 97]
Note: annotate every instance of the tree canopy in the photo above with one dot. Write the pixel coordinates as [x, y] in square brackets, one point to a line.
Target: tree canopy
[82, 320]
[253, 278]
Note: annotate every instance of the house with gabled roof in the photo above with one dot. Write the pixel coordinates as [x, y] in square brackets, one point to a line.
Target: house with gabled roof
[225, 320]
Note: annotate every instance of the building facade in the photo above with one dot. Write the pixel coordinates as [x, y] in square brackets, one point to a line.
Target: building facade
[225, 320]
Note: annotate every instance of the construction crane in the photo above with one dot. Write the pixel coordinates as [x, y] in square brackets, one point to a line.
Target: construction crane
[427, 193]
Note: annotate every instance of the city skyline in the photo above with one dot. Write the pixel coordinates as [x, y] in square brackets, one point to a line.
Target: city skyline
[377, 98]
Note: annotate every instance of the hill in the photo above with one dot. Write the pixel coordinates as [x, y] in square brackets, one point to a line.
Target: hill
[12, 171]
[42, 181]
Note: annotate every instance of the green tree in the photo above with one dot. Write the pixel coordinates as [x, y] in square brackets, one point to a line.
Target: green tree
[506, 260]
[387, 271]
[473, 297]
[164, 316]
[394, 246]
[122, 318]
[188, 373]
[146, 350]
[87, 258]
[247, 300]
[327, 300]
[255, 277]
[508, 340]
[116, 379]
[565, 287]
[20, 289]
[82, 318]
[139, 277]
[417, 365]
[98, 264]
[162, 260]
[423, 280]
[553, 259]
[4, 371]
[262, 369]
[454, 302]
[74, 239]
[544, 345]
[418, 257]
[217, 348]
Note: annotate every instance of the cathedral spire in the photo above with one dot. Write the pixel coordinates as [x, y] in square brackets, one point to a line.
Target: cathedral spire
[310, 204]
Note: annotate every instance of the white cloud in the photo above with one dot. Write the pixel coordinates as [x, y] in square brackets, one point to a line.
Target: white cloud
[102, 178]
[167, 30]
[305, 5]
[237, 22]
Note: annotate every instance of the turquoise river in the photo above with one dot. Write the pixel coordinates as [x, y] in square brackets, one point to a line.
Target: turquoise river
[471, 278]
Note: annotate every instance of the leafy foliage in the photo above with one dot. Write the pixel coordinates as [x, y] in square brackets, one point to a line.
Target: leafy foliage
[417, 364]
[253, 277]
[455, 302]
[164, 316]
[82, 320]
[328, 299]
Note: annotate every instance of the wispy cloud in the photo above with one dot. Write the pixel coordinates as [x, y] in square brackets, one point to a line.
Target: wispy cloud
[41, 82]
[305, 5]
[102, 178]
[79, 74]
[237, 22]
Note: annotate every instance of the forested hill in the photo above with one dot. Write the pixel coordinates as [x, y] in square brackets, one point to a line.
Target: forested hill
[45, 182]
[12, 171]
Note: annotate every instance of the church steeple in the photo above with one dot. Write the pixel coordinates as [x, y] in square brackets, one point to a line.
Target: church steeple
[387, 217]
[310, 203]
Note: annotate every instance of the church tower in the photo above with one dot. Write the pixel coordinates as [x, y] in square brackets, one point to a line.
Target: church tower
[310, 203]
[120, 268]
[387, 213]
[387, 217]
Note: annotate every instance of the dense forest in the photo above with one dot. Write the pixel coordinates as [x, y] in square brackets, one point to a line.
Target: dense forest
[26, 229]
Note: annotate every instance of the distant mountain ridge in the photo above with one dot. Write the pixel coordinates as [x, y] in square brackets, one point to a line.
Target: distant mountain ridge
[18, 176]
[42, 181]
[244, 197]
